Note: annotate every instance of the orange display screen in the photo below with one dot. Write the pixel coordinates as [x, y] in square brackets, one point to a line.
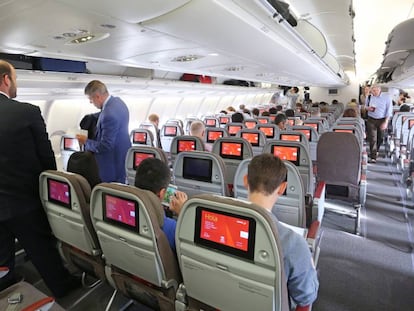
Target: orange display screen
[170, 131]
[307, 133]
[140, 138]
[210, 122]
[233, 129]
[186, 145]
[291, 137]
[214, 135]
[343, 131]
[224, 120]
[268, 131]
[252, 138]
[250, 124]
[71, 144]
[231, 150]
[141, 156]
[287, 153]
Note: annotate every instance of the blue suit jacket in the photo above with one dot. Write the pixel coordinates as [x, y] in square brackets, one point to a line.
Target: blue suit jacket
[112, 141]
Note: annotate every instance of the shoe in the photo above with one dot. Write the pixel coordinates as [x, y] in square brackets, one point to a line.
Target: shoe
[372, 161]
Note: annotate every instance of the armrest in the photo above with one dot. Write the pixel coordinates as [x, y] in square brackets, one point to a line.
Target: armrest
[43, 304]
[318, 206]
[313, 229]
[303, 308]
[3, 271]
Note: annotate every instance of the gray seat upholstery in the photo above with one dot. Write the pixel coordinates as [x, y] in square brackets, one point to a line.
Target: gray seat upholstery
[167, 134]
[219, 276]
[185, 143]
[151, 127]
[68, 145]
[198, 172]
[138, 153]
[66, 200]
[140, 262]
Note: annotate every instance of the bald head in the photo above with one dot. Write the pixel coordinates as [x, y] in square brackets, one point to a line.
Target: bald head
[197, 129]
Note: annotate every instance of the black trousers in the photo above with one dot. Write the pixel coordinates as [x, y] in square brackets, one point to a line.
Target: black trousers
[374, 135]
[33, 231]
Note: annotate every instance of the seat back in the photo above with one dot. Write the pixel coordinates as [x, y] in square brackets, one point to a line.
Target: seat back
[128, 223]
[68, 145]
[312, 135]
[168, 132]
[211, 121]
[232, 150]
[185, 143]
[224, 119]
[290, 207]
[339, 164]
[297, 153]
[65, 198]
[187, 123]
[250, 123]
[293, 135]
[254, 266]
[198, 172]
[271, 131]
[142, 136]
[255, 137]
[214, 133]
[151, 127]
[263, 120]
[136, 154]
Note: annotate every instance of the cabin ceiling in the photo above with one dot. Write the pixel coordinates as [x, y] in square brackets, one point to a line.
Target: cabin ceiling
[236, 39]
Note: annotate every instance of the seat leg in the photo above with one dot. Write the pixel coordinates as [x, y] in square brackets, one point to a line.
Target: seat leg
[358, 219]
[111, 300]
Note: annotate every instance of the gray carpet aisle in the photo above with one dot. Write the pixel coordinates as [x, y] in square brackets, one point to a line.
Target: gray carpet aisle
[374, 271]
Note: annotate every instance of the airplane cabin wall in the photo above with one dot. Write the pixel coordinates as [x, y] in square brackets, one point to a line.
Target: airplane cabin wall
[345, 94]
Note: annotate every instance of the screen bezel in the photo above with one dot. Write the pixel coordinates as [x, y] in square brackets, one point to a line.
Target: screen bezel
[190, 174]
[134, 166]
[282, 135]
[134, 141]
[118, 223]
[295, 162]
[248, 255]
[228, 156]
[215, 132]
[232, 126]
[69, 149]
[49, 198]
[267, 127]
[208, 121]
[222, 118]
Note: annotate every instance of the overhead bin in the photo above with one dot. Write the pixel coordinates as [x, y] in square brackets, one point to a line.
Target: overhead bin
[247, 32]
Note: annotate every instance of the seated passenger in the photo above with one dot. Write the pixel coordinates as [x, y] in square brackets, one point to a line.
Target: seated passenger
[84, 164]
[265, 183]
[405, 108]
[198, 129]
[255, 112]
[154, 175]
[237, 117]
[290, 113]
[280, 121]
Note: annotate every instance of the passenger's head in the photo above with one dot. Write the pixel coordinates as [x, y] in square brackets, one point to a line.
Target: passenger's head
[242, 107]
[84, 164]
[247, 111]
[405, 108]
[230, 109]
[97, 93]
[350, 113]
[294, 90]
[237, 117]
[266, 174]
[289, 113]
[316, 112]
[376, 90]
[273, 110]
[280, 121]
[8, 84]
[255, 112]
[279, 107]
[154, 118]
[197, 129]
[265, 113]
[153, 175]
[223, 111]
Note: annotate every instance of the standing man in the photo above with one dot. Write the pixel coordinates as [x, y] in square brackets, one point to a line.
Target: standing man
[25, 152]
[379, 107]
[111, 142]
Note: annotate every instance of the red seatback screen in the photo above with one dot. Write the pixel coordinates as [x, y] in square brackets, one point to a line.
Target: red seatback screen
[268, 131]
[120, 211]
[234, 234]
[170, 131]
[307, 133]
[71, 144]
[210, 122]
[58, 192]
[250, 124]
[233, 129]
[186, 145]
[252, 138]
[343, 131]
[224, 120]
[410, 123]
[262, 121]
[314, 125]
[141, 156]
[290, 137]
[231, 150]
[214, 135]
[139, 138]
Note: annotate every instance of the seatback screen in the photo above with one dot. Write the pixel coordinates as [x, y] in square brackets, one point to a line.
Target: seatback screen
[314, 125]
[141, 156]
[291, 121]
[224, 120]
[344, 131]
[287, 153]
[410, 123]
[268, 131]
[58, 192]
[197, 169]
[210, 122]
[307, 132]
[233, 129]
[186, 145]
[252, 138]
[213, 136]
[71, 144]
[231, 150]
[229, 233]
[139, 138]
[290, 137]
[120, 211]
[250, 124]
[263, 120]
[170, 131]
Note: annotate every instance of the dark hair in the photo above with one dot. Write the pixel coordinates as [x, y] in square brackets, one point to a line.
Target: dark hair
[272, 110]
[265, 114]
[290, 113]
[255, 111]
[279, 107]
[223, 111]
[237, 117]
[280, 118]
[405, 108]
[265, 173]
[153, 175]
[84, 164]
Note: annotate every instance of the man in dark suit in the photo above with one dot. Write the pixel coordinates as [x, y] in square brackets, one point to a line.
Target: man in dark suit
[112, 141]
[25, 152]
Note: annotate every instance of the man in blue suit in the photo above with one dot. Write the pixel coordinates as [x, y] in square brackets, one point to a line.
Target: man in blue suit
[111, 141]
